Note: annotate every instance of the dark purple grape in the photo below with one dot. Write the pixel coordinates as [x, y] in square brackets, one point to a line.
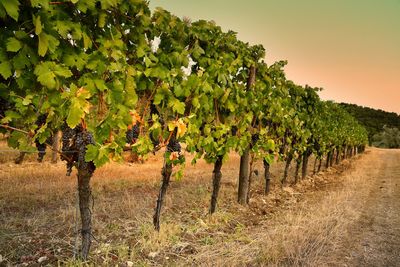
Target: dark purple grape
[132, 134]
[74, 143]
[234, 130]
[174, 146]
[41, 120]
[41, 150]
[255, 138]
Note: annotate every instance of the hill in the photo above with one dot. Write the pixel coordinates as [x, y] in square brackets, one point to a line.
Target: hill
[373, 119]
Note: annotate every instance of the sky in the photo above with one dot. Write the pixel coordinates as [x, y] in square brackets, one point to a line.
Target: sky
[350, 48]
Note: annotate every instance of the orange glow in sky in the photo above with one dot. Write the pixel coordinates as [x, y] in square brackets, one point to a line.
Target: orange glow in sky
[349, 48]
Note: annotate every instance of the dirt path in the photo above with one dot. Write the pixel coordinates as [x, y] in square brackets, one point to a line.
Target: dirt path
[374, 238]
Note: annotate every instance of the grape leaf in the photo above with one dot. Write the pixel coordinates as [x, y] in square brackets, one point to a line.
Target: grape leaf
[43, 44]
[13, 45]
[5, 69]
[38, 25]
[76, 113]
[11, 7]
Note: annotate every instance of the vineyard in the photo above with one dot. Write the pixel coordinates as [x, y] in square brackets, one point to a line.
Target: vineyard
[115, 78]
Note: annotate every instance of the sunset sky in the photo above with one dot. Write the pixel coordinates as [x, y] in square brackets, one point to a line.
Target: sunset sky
[351, 48]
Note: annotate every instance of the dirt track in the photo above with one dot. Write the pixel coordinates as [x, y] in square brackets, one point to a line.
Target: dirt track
[373, 239]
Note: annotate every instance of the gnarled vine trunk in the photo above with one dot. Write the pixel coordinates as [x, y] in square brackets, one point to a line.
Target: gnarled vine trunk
[251, 172]
[315, 166]
[216, 180]
[244, 177]
[328, 158]
[84, 191]
[304, 169]
[296, 172]
[286, 171]
[166, 176]
[337, 156]
[320, 164]
[55, 147]
[20, 158]
[267, 176]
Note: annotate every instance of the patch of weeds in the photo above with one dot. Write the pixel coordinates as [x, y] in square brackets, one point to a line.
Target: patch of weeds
[207, 240]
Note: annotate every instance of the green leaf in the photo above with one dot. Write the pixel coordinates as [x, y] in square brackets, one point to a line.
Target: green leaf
[27, 100]
[11, 7]
[106, 4]
[178, 91]
[43, 44]
[131, 97]
[21, 60]
[87, 4]
[75, 113]
[5, 69]
[87, 42]
[140, 52]
[102, 20]
[3, 13]
[42, 3]
[13, 45]
[45, 75]
[100, 84]
[178, 175]
[91, 153]
[158, 98]
[38, 25]
[178, 106]
[62, 71]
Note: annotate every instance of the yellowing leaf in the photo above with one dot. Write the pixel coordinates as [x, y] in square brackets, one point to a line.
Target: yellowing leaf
[83, 93]
[181, 128]
[135, 117]
[173, 156]
[75, 114]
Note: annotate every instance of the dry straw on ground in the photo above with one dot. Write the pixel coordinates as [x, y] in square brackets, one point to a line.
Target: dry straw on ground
[302, 225]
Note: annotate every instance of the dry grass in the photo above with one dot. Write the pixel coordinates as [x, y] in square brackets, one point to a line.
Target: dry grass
[37, 207]
[309, 233]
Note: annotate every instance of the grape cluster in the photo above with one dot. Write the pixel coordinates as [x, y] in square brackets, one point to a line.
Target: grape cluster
[67, 139]
[74, 142]
[83, 138]
[234, 130]
[4, 105]
[41, 150]
[255, 138]
[132, 134]
[40, 121]
[174, 146]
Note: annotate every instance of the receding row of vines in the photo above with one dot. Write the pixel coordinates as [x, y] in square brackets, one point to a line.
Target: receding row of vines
[111, 74]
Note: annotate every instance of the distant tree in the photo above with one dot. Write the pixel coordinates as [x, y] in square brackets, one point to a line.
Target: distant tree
[373, 119]
[388, 138]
